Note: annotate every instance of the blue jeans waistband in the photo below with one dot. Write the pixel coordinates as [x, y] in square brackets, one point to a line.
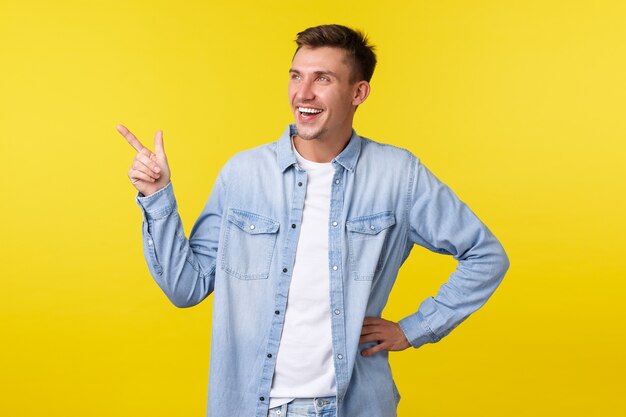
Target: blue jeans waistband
[305, 406]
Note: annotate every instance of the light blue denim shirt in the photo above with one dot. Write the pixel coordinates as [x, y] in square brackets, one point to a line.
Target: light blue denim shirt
[243, 245]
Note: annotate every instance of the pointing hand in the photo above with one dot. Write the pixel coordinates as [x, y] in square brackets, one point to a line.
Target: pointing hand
[149, 171]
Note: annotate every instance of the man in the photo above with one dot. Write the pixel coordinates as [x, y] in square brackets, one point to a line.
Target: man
[301, 241]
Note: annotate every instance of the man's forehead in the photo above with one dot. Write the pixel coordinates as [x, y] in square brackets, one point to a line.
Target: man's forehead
[323, 58]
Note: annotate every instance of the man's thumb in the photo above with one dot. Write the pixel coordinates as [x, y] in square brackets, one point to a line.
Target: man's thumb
[158, 144]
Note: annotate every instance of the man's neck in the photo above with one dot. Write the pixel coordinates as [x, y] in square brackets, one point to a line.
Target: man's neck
[320, 150]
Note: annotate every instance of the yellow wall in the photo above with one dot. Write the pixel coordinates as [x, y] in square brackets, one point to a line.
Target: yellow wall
[518, 106]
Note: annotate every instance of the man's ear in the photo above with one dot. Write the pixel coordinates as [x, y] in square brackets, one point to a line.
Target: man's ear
[361, 92]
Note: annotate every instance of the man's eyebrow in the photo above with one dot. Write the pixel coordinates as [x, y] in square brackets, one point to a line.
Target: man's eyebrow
[318, 72]
[325, 72]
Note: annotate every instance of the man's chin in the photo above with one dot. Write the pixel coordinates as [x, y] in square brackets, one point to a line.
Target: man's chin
[308, 133]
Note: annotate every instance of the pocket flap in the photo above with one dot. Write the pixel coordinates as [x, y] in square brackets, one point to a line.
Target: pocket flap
[371, 224]
[252, 223]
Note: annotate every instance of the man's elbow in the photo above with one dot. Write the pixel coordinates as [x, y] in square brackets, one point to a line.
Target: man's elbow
[185, 299]
[503, 263]
[184, 293]
[181, 303]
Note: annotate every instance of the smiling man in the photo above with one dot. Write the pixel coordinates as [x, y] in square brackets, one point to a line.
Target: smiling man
[301, 241]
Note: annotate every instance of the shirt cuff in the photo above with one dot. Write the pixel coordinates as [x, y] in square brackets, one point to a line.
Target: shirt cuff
[159, 204]
[416, 330]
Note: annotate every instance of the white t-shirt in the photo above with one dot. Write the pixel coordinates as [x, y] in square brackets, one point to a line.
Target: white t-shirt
[304, 363]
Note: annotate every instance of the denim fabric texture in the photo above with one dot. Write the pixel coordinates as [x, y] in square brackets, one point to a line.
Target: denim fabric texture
[242, 249]
[306, 407]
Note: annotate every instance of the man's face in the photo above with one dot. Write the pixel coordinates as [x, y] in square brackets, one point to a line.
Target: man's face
[322, 97]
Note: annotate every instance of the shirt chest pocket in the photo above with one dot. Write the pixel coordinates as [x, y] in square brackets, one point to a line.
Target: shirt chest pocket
[249, 241]
[367, 237]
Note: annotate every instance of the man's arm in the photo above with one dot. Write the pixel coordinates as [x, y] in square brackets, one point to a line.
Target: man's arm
[441, 222]
[184, 269]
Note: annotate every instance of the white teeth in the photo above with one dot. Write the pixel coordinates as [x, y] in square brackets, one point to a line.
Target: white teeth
[308, 110]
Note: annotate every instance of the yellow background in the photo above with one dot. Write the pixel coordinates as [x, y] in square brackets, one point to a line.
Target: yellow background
[518, 106]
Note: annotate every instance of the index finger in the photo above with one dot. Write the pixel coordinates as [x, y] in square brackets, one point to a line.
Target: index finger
[134, 142]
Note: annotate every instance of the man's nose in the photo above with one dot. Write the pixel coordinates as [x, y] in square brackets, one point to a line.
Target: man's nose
[306, 91]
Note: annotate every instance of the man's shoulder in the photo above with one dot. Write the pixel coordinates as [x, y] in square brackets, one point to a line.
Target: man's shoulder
[251, 158]
[256, 153]
[377, 151]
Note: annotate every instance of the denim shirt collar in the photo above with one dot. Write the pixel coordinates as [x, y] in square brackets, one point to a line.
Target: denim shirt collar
[347, 158]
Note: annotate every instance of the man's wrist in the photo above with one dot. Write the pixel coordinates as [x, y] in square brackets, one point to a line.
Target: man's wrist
[416, 330]
[158, 204]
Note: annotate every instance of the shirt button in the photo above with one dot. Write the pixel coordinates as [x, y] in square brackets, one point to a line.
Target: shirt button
[277, 312]
[372, 227]
[262, 398]
[340, 356]
[284, 269]
[335, 267]
[251, 227]
[299, 184]
[269, 355]
[335, 224]
[337, 311]
[293, 226]
[150, 242]
[336, 181]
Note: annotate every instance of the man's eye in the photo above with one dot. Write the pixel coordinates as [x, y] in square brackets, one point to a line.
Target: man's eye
[295, 77]
[323, 78]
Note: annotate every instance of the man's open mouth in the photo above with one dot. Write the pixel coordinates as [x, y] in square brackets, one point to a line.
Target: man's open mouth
[307, 113]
